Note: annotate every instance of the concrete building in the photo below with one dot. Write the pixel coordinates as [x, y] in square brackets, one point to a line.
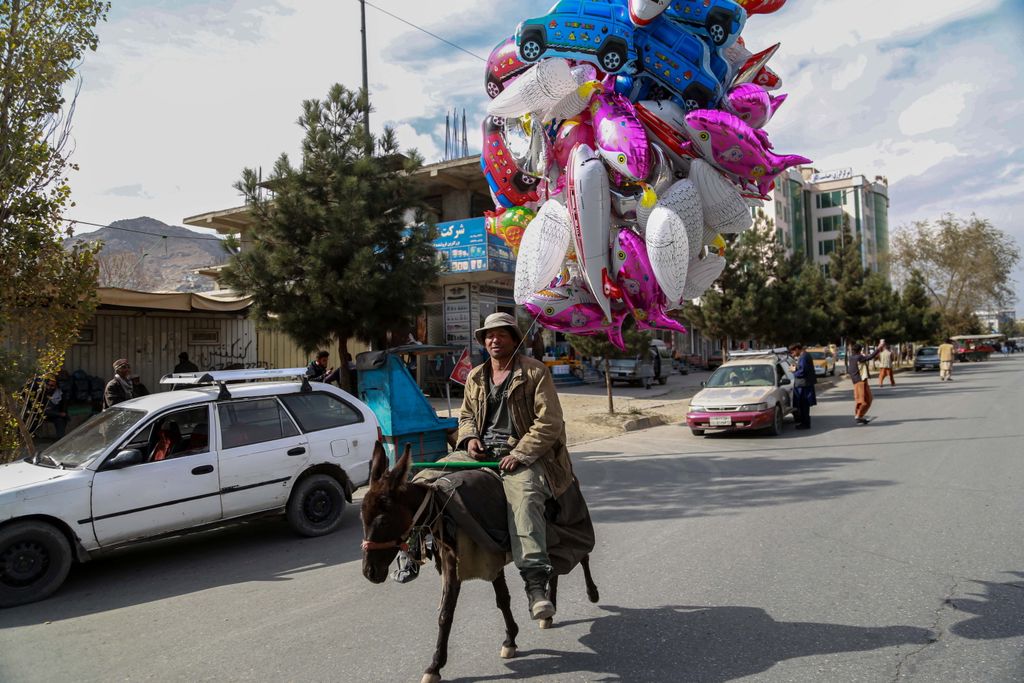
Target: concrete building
[811, 207]
[991, 321]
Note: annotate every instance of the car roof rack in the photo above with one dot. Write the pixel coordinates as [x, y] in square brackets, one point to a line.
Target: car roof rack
[221, 377]
[778, 352]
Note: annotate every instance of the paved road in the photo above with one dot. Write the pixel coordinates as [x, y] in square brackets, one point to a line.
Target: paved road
[886, 552]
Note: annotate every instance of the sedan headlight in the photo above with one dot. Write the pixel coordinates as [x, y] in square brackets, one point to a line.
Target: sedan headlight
[697, 409]
[754, 407]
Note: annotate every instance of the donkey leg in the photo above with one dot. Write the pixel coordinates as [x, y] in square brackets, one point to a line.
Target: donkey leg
[553, 597]
[449, 598]
[504, 602]
[592, 593]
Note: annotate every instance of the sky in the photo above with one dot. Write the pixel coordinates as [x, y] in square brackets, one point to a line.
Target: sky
[181, 95]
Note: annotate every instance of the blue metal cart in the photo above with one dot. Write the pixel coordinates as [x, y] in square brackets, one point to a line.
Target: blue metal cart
[404, 414]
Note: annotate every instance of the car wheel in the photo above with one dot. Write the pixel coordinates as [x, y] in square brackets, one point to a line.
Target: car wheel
[532, 47]
[697, 432]
[493, 87]
[612, 60]
[315, 506]
[35, 558]
[718, 33]
[776, 427]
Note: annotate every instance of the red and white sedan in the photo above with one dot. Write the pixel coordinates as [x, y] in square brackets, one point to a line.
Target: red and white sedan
[747, 393]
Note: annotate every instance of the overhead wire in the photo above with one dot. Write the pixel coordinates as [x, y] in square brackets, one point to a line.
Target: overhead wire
[197, 236]
[420, 28]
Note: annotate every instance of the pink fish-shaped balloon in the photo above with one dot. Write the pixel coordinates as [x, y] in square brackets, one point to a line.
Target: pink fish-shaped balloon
[632, 271]
[573, 309]
[753, 104]
[572, 132]
[728, 143]
[619, 136]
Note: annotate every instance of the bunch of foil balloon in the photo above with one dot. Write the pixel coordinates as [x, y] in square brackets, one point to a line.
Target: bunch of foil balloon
[624, 139]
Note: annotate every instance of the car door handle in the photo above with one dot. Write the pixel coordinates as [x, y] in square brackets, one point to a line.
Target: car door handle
[298, 450]
[202, 469]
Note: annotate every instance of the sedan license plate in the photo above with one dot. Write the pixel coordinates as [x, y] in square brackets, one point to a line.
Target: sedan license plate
[721, 421]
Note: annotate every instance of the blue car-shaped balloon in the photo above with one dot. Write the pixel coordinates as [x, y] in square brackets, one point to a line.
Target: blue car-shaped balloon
[675, 59]
[597, 31]
[720, 21]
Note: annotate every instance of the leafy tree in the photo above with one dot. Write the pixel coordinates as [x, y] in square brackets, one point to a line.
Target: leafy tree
[965, 265]
[46, 292]
[342, 248]
[637, 343]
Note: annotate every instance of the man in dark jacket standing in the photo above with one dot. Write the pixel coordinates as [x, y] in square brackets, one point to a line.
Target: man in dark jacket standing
[120, 388]
[184, 364]
[804, 395]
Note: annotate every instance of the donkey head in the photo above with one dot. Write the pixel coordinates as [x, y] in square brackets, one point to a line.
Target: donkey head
[386, 517]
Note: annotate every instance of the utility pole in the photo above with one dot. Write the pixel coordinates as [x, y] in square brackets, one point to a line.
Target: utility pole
[366, 86]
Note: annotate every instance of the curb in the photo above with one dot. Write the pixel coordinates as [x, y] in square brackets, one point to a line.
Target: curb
[644, 423]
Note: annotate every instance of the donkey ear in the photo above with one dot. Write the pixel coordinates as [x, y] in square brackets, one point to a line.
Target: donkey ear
[379, 464]
[400, 474]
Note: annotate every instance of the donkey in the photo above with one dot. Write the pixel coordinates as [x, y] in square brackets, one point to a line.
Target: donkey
[392, 507]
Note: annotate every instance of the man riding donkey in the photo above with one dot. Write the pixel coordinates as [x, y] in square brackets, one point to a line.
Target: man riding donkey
[511, 414]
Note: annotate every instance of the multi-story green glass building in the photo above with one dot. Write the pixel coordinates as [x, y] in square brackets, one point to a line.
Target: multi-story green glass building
[811, 208]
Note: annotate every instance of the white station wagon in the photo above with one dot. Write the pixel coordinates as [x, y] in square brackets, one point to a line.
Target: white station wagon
[178, 461]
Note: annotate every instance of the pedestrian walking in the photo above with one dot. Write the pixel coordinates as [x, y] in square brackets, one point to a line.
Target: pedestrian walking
[804, 395]
[946, 353]
[120, 388]
[885, 361]
[862, 397]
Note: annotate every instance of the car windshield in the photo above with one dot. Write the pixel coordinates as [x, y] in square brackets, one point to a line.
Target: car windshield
[817, 355]
[742, 376]
[928, 351]
[95, 434]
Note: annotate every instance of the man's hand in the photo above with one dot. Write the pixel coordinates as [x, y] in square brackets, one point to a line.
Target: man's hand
[509, 463]
[475, 447]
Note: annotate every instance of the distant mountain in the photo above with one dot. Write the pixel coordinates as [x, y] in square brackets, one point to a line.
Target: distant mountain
[143, 253]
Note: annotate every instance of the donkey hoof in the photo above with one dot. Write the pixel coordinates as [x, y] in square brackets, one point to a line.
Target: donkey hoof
[431, 678]
[545, 623]
[508, 652]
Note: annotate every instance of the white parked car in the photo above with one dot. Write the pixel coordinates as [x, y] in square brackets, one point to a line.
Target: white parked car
[178, 461]
[750, 391]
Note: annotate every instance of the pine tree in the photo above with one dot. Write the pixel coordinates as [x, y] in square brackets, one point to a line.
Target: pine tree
[342, 247]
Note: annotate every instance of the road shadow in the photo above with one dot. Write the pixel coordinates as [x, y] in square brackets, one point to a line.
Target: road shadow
[997, 609]
[263, 550]
[658, 487]
[707, 644]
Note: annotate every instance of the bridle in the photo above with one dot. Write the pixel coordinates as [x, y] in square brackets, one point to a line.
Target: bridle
[402, 542]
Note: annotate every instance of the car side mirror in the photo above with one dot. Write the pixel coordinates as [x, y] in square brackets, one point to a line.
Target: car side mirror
[703, 384]
[125, 458]
[784, 381]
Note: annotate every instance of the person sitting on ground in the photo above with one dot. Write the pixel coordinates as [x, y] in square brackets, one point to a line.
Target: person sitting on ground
[55, 409]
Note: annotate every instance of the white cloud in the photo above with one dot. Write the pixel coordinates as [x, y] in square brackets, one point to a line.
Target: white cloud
[940, 108]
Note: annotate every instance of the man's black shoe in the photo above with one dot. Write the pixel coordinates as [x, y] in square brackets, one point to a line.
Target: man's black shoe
[536, 581]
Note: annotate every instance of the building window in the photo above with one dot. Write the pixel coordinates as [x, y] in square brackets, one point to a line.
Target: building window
[830, 223]
[203, 337]
[826, 200]
[826, 247]
[824, 269]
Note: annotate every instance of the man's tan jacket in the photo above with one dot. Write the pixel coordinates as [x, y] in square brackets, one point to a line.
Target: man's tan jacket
[536, 415]
[946, 353]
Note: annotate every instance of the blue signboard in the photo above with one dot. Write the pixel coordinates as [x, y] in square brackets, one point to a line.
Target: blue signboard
[469, 248]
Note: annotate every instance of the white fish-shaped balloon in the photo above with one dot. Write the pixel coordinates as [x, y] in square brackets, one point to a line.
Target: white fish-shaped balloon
[542, 250]
[588, 203]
